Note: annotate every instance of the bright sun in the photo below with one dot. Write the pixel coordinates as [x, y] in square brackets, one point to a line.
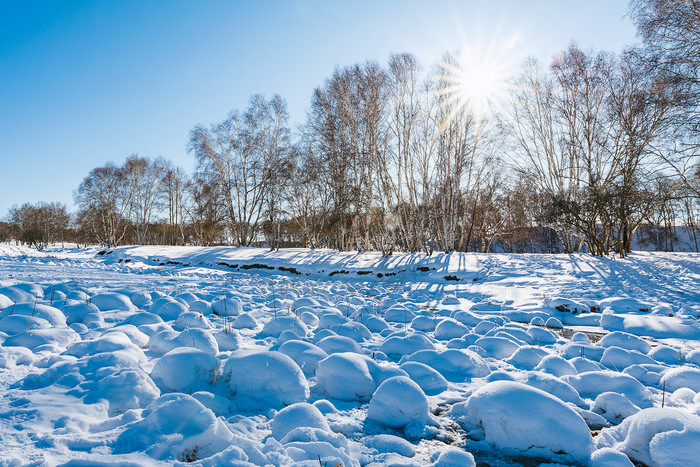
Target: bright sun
[480, 84]
[477, 80]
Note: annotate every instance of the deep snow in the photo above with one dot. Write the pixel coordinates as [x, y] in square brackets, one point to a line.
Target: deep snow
[225, 356]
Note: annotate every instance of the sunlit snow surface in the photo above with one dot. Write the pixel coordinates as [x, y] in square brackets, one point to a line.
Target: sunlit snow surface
[223, 356]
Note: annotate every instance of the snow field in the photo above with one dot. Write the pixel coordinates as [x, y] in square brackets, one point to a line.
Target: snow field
[198, 365]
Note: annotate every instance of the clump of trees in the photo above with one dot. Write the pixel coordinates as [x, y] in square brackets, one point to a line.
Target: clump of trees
[142, 201]
[38, 224]
[591, 152]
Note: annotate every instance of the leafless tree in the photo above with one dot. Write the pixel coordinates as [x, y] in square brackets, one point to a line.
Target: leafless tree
[175, 199]
[240, 157]
[143, 178]
[104, 201]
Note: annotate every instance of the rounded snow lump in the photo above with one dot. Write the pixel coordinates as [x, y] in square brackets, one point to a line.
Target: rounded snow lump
[453, 457]
[185, 369]
[175, 426]
[399, 402]
[305, 354]
[553, 323]
[656, 436]
[398, 346]
[519, 417]
[276, 326]
[112, 301]
[682, 377]
[449, 329]
[301, 414]
[345, 376]
[429, 379]
[265, 380]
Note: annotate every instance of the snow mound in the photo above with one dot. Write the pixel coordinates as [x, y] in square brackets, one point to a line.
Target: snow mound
[553, 323]
[398, 346]
[375, 324]
[399, 402]
[167, 340]
[429, 380]
[332, 319]
[185, 369]
[338, 344]
[626, 341]
[110, 301]
[389, 443]
[265, 380]
[53, 315]
[399, 314]
[169, 308]
[308, 318]
[305, 354]
[142, 318]
[513, 416]
[614, 407]
[245, 321]
[618, 358]
[5, 302]
[17, 295]
[345, 376]
[355, 331]
[424, 323]
[453, 364]
[12, 356]
[276, 326]
[126, 389]
[216, 403]
[34, 338]
[227, 306]
[527, 357]
[556, 365]
[190, 319]
[77, 312]
[609, 457]
[108, 342]
[666, 354]
[552, 385]
[297, 415]
[227, 340]
[656, 437]
[453, 457]
[591, 384]
[682, 377]
[496, 347]
[449, 329]
[175, 427]
[16, 324]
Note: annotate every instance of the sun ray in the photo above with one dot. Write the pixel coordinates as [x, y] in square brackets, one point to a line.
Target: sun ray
[477, 78]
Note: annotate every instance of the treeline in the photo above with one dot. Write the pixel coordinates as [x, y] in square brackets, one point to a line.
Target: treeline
[585, 154]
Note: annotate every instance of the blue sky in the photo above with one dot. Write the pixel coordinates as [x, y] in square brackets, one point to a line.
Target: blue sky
[84, 83]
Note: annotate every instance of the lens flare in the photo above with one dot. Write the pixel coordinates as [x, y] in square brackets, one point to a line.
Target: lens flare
[477, 78]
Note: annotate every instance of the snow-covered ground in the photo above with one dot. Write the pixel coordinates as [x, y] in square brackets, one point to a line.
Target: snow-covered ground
[222, 356]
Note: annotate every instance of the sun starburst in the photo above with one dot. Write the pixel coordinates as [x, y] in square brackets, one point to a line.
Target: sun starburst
[477, 78]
